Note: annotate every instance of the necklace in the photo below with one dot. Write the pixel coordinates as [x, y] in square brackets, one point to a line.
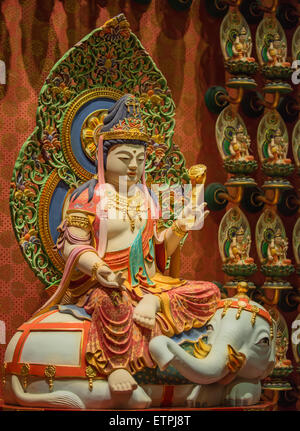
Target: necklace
[127, 206]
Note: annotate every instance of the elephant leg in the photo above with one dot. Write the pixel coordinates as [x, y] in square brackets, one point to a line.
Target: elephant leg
[137, 399]
[192, 398]
[206, 395]
[242, 392]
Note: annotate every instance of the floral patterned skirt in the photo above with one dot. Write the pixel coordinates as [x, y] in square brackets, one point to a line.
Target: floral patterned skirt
[116, 341]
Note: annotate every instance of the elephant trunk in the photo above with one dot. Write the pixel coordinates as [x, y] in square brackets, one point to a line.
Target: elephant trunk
[219, 362]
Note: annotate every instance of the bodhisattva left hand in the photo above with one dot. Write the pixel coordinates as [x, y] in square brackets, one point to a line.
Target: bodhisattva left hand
[108, 278]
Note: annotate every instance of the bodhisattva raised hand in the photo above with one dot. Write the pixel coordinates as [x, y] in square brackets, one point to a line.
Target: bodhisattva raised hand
[191, 218]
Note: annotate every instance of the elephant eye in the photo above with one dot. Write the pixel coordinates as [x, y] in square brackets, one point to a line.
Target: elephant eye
[209, 327]
[264, 341]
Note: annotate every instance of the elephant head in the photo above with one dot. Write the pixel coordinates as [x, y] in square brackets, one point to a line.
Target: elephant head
[242, 338]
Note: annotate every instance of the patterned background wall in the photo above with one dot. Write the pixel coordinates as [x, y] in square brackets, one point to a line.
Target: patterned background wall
[185, 46]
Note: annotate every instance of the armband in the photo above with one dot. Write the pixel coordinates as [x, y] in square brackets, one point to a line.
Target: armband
[78, 221]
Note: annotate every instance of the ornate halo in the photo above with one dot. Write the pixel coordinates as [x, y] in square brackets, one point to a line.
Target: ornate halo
[90, 130]
[79, 124]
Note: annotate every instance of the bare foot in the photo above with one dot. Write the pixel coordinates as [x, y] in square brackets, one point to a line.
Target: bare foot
[121, 381]
[145, 311]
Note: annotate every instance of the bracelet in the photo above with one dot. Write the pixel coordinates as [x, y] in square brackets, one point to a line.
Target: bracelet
[177, 230]
[95, 268]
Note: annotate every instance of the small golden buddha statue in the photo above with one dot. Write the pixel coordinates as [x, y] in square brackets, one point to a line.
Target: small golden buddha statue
[239, 146]
[239, 248]
[276, 52]
[277, 149]
[277, 250]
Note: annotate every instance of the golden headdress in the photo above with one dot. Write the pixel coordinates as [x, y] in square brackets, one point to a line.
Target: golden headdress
[130, 126]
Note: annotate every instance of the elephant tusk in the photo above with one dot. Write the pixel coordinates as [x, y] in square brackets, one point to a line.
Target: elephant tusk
[235, 362]
[201, 349]
[235, 359]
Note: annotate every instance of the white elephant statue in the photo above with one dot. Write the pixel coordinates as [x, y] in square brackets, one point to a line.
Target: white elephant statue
[45, 363]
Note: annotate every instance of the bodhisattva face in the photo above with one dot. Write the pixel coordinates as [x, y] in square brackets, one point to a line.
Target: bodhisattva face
[278, 240]
[125, 164]
[240, 239]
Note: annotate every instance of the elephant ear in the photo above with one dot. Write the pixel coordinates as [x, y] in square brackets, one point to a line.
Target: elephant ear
[271, 363]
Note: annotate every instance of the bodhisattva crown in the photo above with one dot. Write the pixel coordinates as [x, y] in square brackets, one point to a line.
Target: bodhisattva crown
[127, 129]
[131, 127]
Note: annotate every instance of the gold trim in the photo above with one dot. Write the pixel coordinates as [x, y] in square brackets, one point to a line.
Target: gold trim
[66, 203]
[78, 221]
[85, 140]
[240, 183]
[227, 305]
[255, 311]
[44, 228]
[277, 186]
[62, 377]
[25, 370]
[77, 210]
[120, 134]
[91, 374]
[277, 287]
[43, 222]
[82, 99]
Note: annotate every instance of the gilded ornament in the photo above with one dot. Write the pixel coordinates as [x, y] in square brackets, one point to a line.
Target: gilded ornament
[131, 206]
[78, 221]
[151, 97]
[50, 371]
[89, 132]
[242, 305]
[227, 305]
[197, 174]
[255, 311]
[177, 230]
[3, 369]
[116, 297]
[91, 374]
[95, 268]
[25, 369]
